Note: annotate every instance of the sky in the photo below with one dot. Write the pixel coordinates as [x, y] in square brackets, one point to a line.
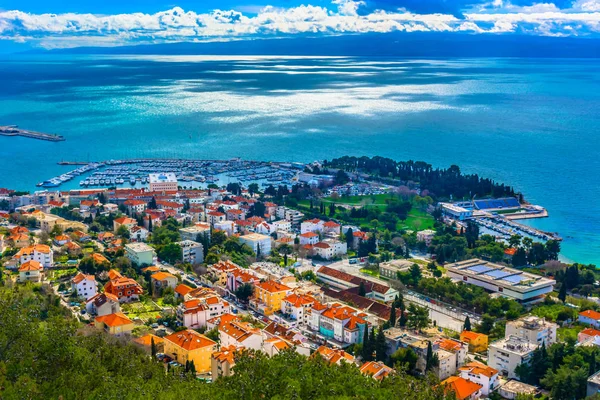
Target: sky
[51, 24]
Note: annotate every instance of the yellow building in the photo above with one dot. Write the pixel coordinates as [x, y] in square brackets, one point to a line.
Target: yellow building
[116, 324]
[478, 342]
[268, 296]
[189, 345]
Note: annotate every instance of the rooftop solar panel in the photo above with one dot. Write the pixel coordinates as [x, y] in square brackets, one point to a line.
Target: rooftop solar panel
[515, 278]
[498, 274]
[479, 269]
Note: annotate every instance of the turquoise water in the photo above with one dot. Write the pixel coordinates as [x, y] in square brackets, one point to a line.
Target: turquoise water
[530, 123]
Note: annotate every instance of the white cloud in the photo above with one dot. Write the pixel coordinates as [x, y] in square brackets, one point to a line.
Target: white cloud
[499, 16]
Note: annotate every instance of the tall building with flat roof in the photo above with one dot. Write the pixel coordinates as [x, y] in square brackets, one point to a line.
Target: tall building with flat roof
[534, 329]
[507, 354]
[521, 286]
[162, 182]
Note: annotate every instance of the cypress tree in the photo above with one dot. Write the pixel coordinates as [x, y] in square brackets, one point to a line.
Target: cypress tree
[380, 346]
[562, 294]
[402, 320]
[153, 348]
[467, 324]
[429, 359]
[367, 352]
[392, 319]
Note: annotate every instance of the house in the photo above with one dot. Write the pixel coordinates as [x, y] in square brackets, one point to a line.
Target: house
[463, 389]
[214, 217]
[116, 324]
[195, 313]
[37, 252]
[240, 334]
[138, 233]
[19, 240]
[84, 285]
[191, 252]
[190, 346]
[81, 236]
[263, 228]
[397, 338]
[223, 361]
[590, 317]
[507, 354]
[331, 228]
[125, 289]
[260, 244]
[102, 304]
[238, 277]
[30, 271]
[310, 238]
[268, 296]
[587, 334]
[534, 329]
[282, 225]
[513, 388]
[451, 354]
[195, 232]
[375, 369]
[391, 268]
[426, 236]
[297, 307]
[219, 271]
[312, 225]
[161, 280]
[135, 206]
[478, 342]
[146, 342]
[87, 205]
[99, 259]
[106, 237]
[330, 249]
[338, 322]
[334, 356]
[170, 205]
[234, 214]
[61, 240]
[123, 221]
[182, 290]
[481, 374]
[140, 253]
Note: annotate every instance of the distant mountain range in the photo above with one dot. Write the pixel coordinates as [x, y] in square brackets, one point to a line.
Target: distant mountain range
[388, 44]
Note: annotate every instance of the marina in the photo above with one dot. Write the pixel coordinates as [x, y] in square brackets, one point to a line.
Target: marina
[14, 130]
[189, 173]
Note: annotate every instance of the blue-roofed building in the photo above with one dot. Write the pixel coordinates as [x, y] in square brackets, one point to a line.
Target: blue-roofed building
[521, 286]
[497, 204]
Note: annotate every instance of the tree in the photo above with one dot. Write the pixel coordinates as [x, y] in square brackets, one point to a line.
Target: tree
[380, 346]
[171, 253]
[123, 232]
[562, 293]
[519, 259]
[404, 357]
[402, 320]
[253, 188]
[331, 209]
[471, 234]
[392, 319]
[286, 250]
[361, 289]
[367, 349]
[418, 317]
[153, 348]
[429, 358]
[467, 323]
[244, 292]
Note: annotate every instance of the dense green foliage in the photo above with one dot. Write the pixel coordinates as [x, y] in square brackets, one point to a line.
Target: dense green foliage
[44, 354]
[441, 182]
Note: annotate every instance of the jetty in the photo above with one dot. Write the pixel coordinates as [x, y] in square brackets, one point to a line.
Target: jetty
[14, 130]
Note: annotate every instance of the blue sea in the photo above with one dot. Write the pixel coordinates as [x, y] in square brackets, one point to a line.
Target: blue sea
[531, 123]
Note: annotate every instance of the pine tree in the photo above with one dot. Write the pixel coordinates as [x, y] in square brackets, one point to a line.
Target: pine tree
[361, 289]
[380, 346]
[367, 352]
[392, 319]
[429, 359]
[150, 224]
[467, 324]
[153, 348]
[562, 294]
[402, 320]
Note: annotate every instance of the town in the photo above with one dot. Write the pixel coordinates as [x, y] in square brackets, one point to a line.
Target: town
[367, 263]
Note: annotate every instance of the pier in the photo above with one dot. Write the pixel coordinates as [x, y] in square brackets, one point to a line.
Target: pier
[13, 130]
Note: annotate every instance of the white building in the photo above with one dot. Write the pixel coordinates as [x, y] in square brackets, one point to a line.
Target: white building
[38, 252]
[138, 233]
[330, 249]
[452, 355]
[194, 232]
[312, 225]
[140, 253]
[425, 236]
[338, 322]
[482, 374]
[192, 252]
[533, 329]
[298, 307]
[195, 313]
[521, 286]
[84, 285]
[163, 182]
[240, 334]
[310, 238]
[507, 354]
[456, 212]
[260, 244]
[282, 225]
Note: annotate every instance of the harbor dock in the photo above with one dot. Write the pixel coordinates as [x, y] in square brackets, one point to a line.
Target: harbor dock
[14, 130]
